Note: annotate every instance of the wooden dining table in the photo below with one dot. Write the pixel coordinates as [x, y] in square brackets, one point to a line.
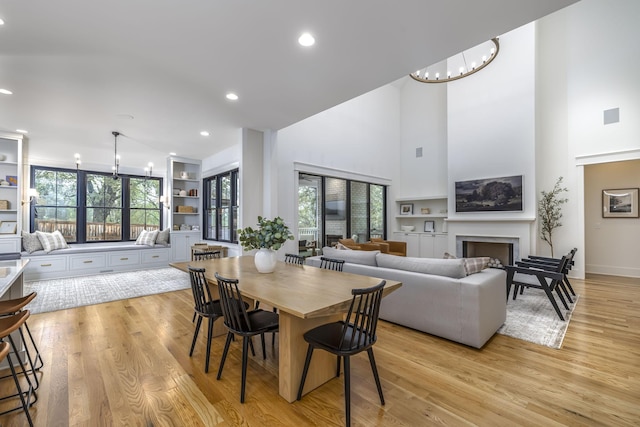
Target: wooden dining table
[305, 297]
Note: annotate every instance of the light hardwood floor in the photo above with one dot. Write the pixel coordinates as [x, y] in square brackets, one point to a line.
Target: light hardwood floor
[126, 363]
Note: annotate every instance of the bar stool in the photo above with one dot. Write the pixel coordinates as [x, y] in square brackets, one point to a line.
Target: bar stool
[8, 325]
[16, 305]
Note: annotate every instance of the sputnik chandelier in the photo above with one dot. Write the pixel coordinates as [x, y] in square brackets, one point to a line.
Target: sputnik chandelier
[465, 63]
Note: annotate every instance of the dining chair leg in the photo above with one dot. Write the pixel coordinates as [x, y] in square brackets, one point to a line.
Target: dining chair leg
[209, 335]
[347, 390]
[374, 368]
[194, 317]
[38, 357]
[264, 350]
[224, 354]
[307, 361]
[338, 367]
[245, 350]
[195, 335]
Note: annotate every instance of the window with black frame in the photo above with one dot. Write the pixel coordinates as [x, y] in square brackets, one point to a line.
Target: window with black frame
[91, 206]
[221, 207]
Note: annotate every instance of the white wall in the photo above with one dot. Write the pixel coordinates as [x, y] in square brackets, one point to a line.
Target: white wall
[357, 139]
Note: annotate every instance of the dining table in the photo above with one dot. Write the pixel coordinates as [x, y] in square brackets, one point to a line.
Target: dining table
[305, 297]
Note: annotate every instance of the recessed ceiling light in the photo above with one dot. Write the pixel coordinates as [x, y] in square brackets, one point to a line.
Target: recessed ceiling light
[22, 131]
[306, 40]
[6, 92]
[172, 153]
[204, 133]
[232, 96]
[1, 21]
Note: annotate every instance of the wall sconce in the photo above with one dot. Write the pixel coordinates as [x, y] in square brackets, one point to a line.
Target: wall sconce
[78, 161]
[148, 170]
[165, 201]
[32, 194]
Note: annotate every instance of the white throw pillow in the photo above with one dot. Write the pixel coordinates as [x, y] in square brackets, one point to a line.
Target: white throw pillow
[51, 241]
[147, 238]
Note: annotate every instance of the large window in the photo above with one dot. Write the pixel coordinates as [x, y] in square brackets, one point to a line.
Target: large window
[221, 207]
[92, 206]
[333, 208]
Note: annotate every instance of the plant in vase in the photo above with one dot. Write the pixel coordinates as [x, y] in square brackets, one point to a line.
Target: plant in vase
[267, 238]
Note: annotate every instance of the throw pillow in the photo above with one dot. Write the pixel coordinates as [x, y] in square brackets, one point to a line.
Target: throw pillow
[447, 255]
[342, 247]
[30, 242]
[52, 241]
[476, 265]
[163, 237]
[147, 238]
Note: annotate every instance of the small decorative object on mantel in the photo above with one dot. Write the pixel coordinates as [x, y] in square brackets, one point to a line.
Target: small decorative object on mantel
[270, 235]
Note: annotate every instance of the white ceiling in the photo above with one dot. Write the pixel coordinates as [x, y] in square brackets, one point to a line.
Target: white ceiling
[75, 66]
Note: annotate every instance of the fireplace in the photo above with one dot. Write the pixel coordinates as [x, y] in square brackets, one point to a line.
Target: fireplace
[504, 249]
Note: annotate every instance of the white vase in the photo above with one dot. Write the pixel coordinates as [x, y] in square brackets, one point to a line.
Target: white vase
[265, 260]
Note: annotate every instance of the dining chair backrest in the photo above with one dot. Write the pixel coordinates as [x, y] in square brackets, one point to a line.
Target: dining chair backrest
[202, 255]
[331, 263]
[231, 303]
[293, 259]
[361, 322]
[200, 289]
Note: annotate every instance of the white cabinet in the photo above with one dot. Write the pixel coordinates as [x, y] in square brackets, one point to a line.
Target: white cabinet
[10, 192]
[181, 242]
[433, 245]
[185, 187]
[412, 240]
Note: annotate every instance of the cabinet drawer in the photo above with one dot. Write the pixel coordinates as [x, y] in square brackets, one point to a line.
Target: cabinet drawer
[82, 262]
[46, 264]
[155, 257]
[124, 258]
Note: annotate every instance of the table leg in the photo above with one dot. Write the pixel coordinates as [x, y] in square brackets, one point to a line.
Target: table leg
[292, 352]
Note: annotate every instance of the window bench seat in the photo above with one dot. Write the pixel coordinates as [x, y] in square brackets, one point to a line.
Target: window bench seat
[94, 258]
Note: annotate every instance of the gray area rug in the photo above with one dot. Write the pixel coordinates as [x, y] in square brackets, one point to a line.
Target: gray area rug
[531, 317]
[60, 294]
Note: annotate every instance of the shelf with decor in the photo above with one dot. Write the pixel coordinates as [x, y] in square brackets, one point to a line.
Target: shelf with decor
[185, 190]
[421, 214]
[10, 194]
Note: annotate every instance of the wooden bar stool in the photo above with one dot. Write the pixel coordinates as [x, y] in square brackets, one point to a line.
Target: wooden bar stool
[8, 325]
[14, 306]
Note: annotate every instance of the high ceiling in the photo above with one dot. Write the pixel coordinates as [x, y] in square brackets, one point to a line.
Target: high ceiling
[80, 69]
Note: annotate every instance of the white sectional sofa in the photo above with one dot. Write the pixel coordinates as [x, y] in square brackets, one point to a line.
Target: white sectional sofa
[436, 296]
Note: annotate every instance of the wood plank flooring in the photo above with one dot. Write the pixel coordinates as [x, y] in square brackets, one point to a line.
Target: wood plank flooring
[126, 363]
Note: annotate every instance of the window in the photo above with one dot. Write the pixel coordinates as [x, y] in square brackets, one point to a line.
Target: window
[221, 207]
[333, 208]
[93, 207]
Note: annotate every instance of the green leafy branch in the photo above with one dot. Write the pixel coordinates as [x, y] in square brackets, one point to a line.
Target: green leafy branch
[550, 211]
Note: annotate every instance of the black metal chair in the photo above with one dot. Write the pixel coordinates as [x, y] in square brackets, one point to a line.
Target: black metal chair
[355, 334]
[28, 396]
[205, 306]
[203, 255]
[294, 259]
[242, 322]
[331, 263]
[548, 280]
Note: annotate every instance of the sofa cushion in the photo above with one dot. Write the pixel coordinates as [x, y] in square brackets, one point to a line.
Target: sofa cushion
[353, 257]
[30, 242]
[453, 268]
[147, 238]
[51, 241]
[472, 265]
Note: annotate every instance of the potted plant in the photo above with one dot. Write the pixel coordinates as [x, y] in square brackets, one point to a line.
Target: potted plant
[549, 209]
[267, 238]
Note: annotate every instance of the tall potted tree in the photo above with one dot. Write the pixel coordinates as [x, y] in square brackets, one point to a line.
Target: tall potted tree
[270, 235]
[549, 210]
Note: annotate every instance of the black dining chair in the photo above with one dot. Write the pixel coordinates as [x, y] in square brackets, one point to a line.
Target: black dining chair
[241, 322]
[331, 263]
[348, 337]
[205, 306]
[201, 256]
[294, 259]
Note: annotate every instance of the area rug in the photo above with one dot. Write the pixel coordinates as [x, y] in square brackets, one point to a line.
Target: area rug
[531, 317]
[60, 294]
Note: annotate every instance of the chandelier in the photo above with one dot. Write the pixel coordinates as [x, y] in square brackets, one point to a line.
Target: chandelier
[116, 156]
[464, 64]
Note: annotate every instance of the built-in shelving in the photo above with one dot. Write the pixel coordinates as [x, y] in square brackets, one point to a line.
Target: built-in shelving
[436, 205]
[10, 195]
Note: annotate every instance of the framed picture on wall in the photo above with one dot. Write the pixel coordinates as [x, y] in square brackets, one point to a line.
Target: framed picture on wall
[406, 209]
[429, 226]
[502, 194]
[620, 203]
[8, 227]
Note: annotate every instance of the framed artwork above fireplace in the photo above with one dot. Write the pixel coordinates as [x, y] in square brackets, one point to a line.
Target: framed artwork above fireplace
[502, 194]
